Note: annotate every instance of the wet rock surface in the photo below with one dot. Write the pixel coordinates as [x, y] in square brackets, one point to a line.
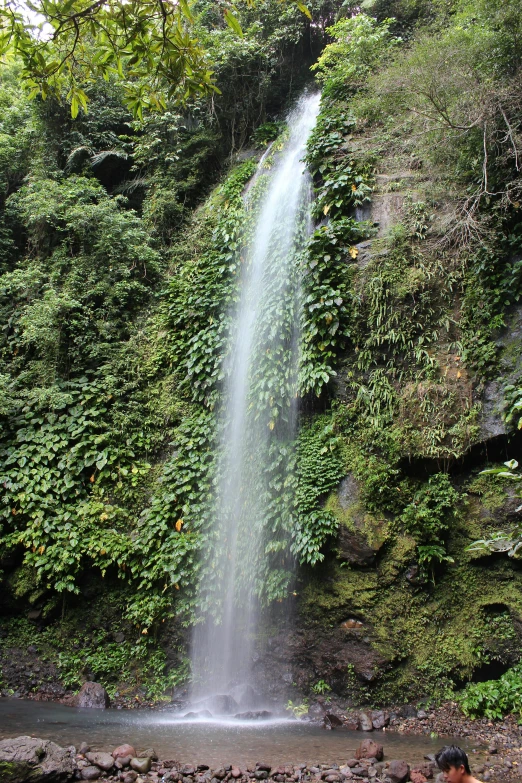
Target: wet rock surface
[31, 759]
[92, 695]
[219, 704]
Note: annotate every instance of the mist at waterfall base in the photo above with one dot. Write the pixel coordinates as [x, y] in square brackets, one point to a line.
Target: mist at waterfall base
[198, 741]
[265, 323]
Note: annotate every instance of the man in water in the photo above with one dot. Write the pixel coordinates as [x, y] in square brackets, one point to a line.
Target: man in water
[454, 765]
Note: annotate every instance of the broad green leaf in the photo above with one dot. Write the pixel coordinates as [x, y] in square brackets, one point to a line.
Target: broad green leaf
[233, 22]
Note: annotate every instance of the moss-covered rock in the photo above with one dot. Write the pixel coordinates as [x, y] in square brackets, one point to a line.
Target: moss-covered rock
[422, 638]
[33, 760]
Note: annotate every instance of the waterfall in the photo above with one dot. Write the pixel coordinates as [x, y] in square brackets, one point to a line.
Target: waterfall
[258, 414]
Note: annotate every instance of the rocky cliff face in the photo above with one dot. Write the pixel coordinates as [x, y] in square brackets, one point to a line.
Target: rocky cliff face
[377, 621]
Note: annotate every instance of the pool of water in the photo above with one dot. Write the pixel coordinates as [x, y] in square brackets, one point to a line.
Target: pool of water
[201, 741]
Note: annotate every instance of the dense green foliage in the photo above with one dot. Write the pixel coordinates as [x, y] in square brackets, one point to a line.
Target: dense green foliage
[116, 319]
[122, 237]
[494, 698]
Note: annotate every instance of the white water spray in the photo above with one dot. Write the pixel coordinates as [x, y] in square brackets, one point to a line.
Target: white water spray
[261, 367]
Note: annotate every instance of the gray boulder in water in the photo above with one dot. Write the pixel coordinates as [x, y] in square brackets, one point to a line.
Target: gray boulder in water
[254, 715]
[219, 704]
[246, 697]
[33, 760]
[92, 695]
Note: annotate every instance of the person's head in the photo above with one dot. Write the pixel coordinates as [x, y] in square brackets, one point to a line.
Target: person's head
[453, 763]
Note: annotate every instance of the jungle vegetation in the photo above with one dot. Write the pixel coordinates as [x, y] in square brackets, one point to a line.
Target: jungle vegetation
[125, 145]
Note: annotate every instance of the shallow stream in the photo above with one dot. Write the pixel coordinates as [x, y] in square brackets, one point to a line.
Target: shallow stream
[202, 741]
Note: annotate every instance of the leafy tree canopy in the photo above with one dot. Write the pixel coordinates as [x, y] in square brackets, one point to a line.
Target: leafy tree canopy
[155, 46]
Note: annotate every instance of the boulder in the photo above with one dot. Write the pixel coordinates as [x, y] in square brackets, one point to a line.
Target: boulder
[142, 766]
[130, 776]
[365, 722]
[379, 719]
[368, 749]
[425, 769]
[219, 704]
[398, 771]
[407, 711]
[29, 758]
[354, 548]
[335, 720]
[123, 750]
[199, 714]
[91, 773]
[93, 696]
[104, 761]
[246, 697]
[254, 715]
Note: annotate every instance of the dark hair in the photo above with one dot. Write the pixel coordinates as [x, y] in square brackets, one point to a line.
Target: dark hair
[452, 756]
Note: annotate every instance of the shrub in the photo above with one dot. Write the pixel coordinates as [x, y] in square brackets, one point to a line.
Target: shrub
[494, 698]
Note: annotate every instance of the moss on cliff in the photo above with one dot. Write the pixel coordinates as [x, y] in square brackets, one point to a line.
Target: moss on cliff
[431, 637]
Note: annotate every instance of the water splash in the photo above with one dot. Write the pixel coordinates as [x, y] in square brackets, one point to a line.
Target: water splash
[259, 408]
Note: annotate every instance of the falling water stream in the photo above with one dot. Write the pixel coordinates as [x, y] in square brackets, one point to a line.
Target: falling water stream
[263, 355]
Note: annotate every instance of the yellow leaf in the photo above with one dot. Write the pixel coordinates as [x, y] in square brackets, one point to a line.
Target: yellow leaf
[354, 188]
[459, 374]
[92, 479]
[103, 551]
[353, 252]
[41, 550]
[179, 525]
[271, 425]
[176, 586]
[304, 9]
[517, 204]
[144, 631]
[326, 209]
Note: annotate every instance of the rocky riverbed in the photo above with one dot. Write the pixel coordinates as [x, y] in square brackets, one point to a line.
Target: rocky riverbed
[497, 754]
[25, 758]
[29, 758]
